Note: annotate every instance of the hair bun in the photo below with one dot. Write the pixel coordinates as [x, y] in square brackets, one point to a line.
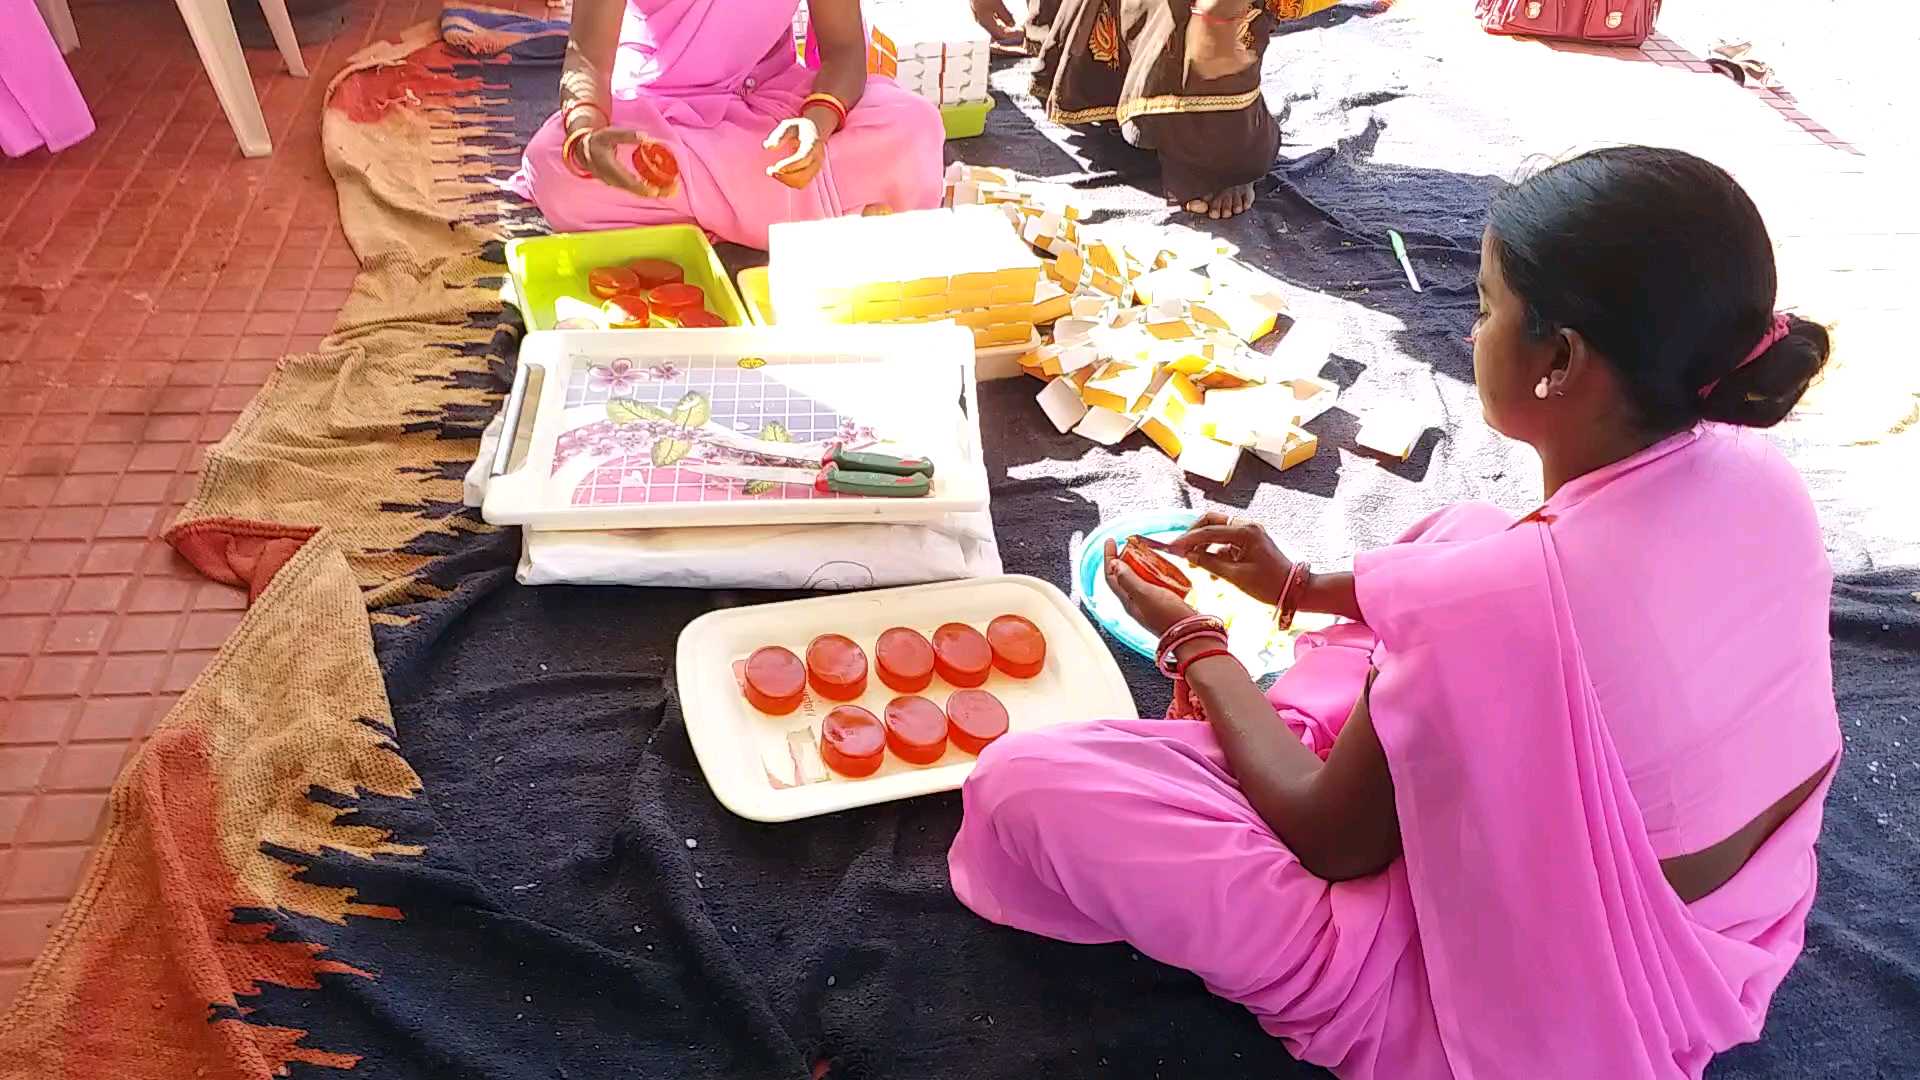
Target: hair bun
[1762, 393]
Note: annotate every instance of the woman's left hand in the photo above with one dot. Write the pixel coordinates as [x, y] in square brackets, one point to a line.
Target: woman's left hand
[1151, 606]
[805, 150]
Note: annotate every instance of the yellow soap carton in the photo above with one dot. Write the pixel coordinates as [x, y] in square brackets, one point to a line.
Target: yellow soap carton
[1170, 412]
[1286, 448]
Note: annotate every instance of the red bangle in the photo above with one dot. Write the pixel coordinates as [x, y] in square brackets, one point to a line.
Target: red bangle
[566, 115]
[1289, 603]
[1168, 663]
[1204, 654]
[829, 102]
[566, 153]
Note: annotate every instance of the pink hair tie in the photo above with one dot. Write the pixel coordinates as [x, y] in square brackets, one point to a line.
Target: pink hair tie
[1781, 327]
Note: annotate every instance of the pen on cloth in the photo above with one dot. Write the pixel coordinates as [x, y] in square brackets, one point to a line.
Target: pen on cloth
[1400, 249]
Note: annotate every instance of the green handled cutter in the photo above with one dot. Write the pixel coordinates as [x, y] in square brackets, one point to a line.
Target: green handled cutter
[839, 471]
[832, 478]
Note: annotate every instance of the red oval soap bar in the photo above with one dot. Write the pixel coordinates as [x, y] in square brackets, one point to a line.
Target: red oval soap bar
[672, 299]
[626, 312]
[836, 668]
[974, 719]
[961, 655]
[904, 660]
[655, 164]
[653, 273]
[775, 680]
[700, 317]
[611, 281]
[1019, 649]
[1153, 567]
[916, 730]
[852, 741]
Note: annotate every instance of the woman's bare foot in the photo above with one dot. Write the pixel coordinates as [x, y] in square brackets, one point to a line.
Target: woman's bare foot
[1226, 204]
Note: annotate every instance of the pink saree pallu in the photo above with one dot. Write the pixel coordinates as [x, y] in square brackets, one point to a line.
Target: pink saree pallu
[39, 103]
[1632, 674]
[712, 79]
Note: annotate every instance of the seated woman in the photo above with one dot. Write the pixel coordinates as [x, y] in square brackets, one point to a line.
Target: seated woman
[1181, 77]
[1546, 803]
[733, 133]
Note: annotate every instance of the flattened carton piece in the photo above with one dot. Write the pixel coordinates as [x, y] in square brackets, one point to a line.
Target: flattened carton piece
[1113, 286]
[1314, 395]
[1060, 400]
[1068, 267]
[1103, 256]
[1390, 433]
[1160, 285]
[987, 337]
[1287, 448]
[1075, 358]
[1072, 331]
[1035, 361]
[1241, 415]
[1104, 426]
[1241, 314]
[1166, 329]
[1210, 458]
[1051, 302]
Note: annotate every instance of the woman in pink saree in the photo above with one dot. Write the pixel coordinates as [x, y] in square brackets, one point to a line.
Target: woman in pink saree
[750, 136]
[40, 105]
[1545, 803]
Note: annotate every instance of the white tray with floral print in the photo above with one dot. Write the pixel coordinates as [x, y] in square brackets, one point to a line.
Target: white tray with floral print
[642, 429]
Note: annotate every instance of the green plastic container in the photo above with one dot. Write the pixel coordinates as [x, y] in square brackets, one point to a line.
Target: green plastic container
[758, 293]
[966, 121]
[545, 268]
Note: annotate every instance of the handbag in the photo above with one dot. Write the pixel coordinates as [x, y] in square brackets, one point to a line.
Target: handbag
[1596, 22]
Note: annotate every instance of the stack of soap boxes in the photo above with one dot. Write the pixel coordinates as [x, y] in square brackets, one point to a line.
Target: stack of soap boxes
[942, 52]
[936, 49]
[966, 264]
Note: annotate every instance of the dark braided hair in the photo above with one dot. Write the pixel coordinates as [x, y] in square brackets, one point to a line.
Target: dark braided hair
[1662, 263]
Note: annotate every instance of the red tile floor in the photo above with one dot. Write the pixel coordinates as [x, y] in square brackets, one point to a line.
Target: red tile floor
[149, 280]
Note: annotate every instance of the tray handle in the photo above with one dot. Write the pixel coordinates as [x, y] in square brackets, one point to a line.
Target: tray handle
[510, 419]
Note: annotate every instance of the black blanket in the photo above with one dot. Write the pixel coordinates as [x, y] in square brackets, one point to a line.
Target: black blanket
[586, 909]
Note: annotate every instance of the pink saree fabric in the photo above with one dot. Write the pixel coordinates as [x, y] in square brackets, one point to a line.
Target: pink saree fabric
[1527, 931]
[712, 79]
[39, 103]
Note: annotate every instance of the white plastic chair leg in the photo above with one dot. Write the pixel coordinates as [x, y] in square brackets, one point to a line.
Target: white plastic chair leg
[211, 25]
[59, 19]
[282, 27]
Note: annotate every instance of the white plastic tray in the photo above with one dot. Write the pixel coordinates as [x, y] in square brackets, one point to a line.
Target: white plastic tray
[744, 754]
[580, 464]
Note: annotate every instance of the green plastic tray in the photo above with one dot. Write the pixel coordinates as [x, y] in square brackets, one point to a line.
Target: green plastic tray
[966, 121]
[545, 268]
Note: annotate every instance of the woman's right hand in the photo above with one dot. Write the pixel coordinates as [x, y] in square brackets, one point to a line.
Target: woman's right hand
[609, 157]
[1240, 552]
[995, 19]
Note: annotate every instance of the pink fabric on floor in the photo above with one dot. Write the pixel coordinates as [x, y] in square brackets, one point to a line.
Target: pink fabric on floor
[1528, 931]
[40, 105]
[712, 79]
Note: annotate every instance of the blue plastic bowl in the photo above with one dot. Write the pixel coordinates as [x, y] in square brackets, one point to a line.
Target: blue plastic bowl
[1089, 572]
